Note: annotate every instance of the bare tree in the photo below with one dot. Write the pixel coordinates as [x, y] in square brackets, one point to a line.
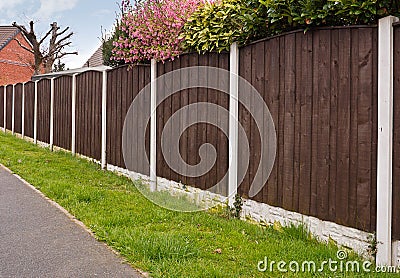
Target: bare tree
[46, 56]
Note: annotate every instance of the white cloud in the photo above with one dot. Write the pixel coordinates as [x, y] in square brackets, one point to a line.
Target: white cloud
[50, 7]
[102, 13]
[7, 5]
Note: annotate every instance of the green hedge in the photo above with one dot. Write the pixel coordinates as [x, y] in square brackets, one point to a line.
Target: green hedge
[214, 26]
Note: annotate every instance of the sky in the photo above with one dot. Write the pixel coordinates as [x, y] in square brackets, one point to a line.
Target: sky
[84, 17]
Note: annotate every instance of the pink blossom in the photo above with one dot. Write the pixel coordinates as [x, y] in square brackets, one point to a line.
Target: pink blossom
[152, 29]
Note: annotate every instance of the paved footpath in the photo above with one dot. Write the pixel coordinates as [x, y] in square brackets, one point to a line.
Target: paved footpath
[38, 240]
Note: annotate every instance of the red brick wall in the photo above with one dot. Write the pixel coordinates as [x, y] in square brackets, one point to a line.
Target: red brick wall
[15, 62]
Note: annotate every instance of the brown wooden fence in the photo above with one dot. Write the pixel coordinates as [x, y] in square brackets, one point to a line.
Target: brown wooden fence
[18, 108]
[122, 87]
[29, 109]
[396, 135]
[43, 110]
[88, 114]
[198, 134]
[9, 97]
[321, 90]
[63, 112]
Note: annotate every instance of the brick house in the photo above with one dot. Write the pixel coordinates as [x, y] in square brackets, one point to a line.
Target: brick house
[15, 62]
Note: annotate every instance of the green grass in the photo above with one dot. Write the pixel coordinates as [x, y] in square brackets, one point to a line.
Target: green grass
[162, 242]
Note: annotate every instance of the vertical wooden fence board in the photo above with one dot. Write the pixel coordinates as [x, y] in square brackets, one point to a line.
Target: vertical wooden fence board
[354, 89]
[18, 109]
[343, 137]
[43, 111]
[223, 99]
[306, 92]
[164, 113]
[297, 119]
[183, 142]
[29, 106]
[145, 74]
[175, 106]
[212, 131]
[396, 136]
[245, 63]
[202, 127]
[334, 70]
[323, 123]
[315, 126]
[272, 97]
[289, 85]
[364, 128]
[281, 120]
[257, 77]
[374, 135]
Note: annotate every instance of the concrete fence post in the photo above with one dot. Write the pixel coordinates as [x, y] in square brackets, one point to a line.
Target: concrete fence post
[73, 131]
[52, 114]
[233, 121]
[23, 111]
[35, 114]
[104, 123]
[385, 141]
[5, 109]
[153, 127]
[13, 110]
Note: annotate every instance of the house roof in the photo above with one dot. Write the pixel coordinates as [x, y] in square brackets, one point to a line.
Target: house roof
[96, 59]
[7, 33]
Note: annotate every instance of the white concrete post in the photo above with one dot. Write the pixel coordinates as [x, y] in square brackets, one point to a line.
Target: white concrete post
[5, 109]
[153, 127]
[13, 110]
[23, 111]
[233, 122]
[73, 139]
[385, 141]
[52, 114]
[35, 112]
[104, 123]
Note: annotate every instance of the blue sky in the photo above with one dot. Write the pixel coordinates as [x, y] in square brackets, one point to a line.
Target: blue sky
[84, 17]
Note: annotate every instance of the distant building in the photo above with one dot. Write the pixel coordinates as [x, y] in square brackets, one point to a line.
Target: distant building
[16, 63]
[96, 59]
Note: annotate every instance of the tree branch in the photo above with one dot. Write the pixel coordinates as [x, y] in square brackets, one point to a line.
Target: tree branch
[65, 30]
[47, 34]
[60, 55]
[24, 47]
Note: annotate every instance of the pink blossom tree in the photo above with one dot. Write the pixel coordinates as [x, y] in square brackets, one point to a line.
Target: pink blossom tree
[151, 29]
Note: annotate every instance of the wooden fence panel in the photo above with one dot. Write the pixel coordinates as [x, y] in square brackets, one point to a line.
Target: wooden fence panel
[1, 106]
[9, 96]
[198, 134]
[396, 136]
[43, 110]
[18, 109]
[123, 86]
[321, 90]
[88, 114]
[63, 112]
[29, 106]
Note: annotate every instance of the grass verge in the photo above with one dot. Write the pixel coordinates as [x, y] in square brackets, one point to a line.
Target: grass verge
[162, 242]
